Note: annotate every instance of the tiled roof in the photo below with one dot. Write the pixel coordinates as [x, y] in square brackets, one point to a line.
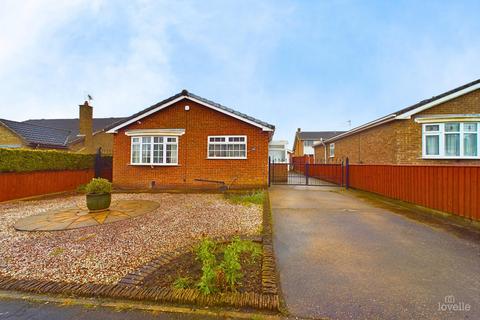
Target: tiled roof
[36, 135]
[186, 94]
[72, 125]
[434, 98]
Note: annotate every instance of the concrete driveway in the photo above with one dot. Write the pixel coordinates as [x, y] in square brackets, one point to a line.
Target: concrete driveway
[341, 256]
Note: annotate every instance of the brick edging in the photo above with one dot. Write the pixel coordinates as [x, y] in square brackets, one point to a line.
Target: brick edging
[119, 291]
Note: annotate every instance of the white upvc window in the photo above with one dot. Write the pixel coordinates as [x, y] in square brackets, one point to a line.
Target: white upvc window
[227, 147]
[154, 150]
[332, 150]
[451, 140]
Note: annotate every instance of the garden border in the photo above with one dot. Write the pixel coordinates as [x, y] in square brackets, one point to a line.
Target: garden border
[267, 300]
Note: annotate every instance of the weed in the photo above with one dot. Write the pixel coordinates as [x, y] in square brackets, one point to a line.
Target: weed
[228, 273]
[57, 251]
[182, 282]
[231, 260]
[205, 253]
[255, 197]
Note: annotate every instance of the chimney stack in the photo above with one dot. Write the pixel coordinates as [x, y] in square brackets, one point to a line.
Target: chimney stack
[86, 126]
[299, 129]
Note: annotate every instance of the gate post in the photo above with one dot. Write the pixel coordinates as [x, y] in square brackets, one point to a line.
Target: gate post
[347, 173]
[306, 173]
[98, 163]
[342, 182]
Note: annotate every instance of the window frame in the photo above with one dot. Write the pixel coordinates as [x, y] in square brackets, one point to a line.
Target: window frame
[441, 133]
[227, 142]
[331, 147]
[152, 143]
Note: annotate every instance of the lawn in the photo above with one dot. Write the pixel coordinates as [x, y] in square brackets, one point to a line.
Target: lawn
[106, 253]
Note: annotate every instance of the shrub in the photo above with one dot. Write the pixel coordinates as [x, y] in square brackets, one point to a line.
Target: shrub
[22, 160]
[255, 197]
[99, 186]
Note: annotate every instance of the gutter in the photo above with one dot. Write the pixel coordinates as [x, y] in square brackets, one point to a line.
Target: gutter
[324, 150]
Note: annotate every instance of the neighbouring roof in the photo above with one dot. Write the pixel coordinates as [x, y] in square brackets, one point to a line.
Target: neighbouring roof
[35, 135]
[188, 95]
[407, 112]
[317, 135]
[72, 125]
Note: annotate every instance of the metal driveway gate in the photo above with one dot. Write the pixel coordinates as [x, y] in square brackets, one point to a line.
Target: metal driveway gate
[310, 174]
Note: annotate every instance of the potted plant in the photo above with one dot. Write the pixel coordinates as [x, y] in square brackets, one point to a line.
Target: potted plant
[98, 194]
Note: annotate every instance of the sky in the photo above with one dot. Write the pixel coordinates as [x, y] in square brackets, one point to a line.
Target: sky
[315, 65]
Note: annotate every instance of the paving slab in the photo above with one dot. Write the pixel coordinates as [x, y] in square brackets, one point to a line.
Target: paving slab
[80, 217]
[343, 257]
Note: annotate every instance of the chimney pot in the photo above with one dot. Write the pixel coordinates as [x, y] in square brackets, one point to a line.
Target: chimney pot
[299, 129]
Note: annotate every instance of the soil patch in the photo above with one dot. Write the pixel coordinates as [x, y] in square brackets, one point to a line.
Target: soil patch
[186, 265]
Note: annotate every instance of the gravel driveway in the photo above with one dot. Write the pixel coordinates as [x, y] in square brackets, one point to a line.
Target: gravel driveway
[106, 253]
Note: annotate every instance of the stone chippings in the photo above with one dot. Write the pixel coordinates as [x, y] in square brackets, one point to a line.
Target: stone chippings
[105, 254]
[130, 286]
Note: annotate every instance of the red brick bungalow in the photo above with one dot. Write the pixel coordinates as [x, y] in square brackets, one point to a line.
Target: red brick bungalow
[187, 141]
[444, 129]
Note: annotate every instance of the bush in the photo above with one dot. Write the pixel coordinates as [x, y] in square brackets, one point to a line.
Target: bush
[22, 160]
[99, 186]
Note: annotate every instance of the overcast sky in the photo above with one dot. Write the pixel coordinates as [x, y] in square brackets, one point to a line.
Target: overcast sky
[309, 64]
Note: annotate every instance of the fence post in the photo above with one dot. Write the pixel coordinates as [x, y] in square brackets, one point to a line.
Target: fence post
[347, 173]
[269, 172]
[306, 173]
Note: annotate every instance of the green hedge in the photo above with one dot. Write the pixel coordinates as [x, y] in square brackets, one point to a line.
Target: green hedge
[22, 160]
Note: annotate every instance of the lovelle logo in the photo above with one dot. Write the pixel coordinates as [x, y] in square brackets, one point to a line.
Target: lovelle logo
[450, 305]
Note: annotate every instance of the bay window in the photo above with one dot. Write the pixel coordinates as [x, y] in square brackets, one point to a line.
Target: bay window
[227, 147]
[154, 150]
[451, 140]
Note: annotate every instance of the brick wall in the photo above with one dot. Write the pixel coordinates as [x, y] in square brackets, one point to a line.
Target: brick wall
[298, 146]
[376, 145]
[101, 139]
[199, 122]
[7, 137]
[399, 141]
[410, 139]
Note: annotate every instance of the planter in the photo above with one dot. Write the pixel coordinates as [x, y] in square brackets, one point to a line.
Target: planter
[98, 201]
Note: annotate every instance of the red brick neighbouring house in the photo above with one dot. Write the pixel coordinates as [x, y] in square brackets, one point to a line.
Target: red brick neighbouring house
[444, 129]
[187, 141]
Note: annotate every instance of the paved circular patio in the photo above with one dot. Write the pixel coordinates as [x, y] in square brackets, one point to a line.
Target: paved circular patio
[80, 217]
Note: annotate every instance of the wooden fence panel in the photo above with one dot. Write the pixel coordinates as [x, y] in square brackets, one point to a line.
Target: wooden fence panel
[452, 189]
[16, 185]
[328, 172]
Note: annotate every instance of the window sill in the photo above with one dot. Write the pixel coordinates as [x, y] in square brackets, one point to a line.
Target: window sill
[154, 164]
[449, 158]
[226, 158]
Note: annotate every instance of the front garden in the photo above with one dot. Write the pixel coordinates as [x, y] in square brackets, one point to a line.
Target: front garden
[206, 249]
[104, 254]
